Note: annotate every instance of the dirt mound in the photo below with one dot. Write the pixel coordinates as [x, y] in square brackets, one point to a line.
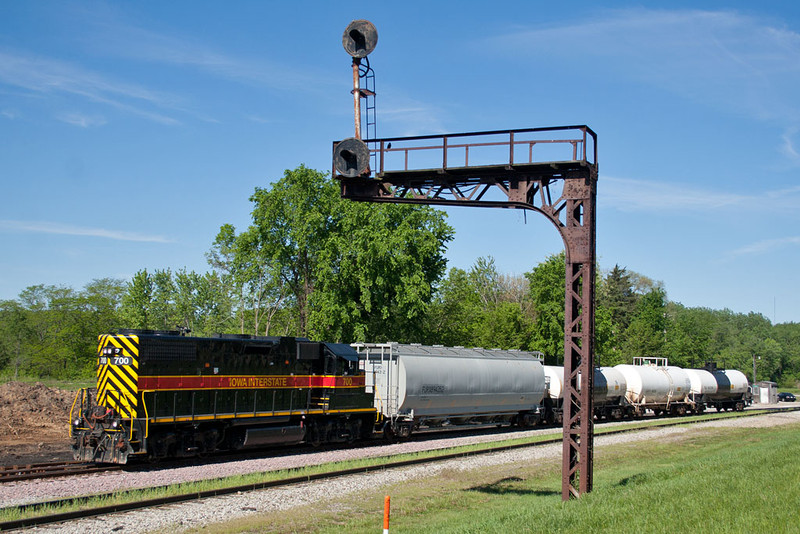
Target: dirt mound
[34, 412]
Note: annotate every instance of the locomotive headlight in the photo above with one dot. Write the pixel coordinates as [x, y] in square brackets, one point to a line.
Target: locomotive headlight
[115, 424]
[76, 422]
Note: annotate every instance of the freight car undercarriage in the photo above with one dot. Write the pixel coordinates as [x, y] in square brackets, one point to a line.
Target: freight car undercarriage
[623, 409]
[403, 426]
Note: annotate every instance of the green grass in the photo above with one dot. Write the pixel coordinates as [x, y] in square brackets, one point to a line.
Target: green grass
[723, 480]
[12, 513]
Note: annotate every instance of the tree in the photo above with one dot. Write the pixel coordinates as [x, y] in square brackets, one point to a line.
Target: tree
[453, 311]
[136, 310]
[788, 336]
[378, 270]
[646, 334]
[292, 222]
[689, 335]
[214, 306]
[547, 293]
[247, 270]
[51, 331]
[481, 308]
[186, 300]
[332, 268]
[15, 336]
[617, 295]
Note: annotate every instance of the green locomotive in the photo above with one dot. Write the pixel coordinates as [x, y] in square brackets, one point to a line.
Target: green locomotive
[164, 395]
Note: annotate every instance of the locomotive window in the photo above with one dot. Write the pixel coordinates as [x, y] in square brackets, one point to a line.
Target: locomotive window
[331, 364]
[349, 367]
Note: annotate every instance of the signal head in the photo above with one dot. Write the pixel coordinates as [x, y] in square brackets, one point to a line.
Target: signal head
[360, 38]
[351, 158]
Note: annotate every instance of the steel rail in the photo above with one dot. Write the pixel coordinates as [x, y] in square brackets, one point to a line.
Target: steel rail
[160, 501]
[14, 473]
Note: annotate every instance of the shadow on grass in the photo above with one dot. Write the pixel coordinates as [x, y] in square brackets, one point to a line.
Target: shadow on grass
[638, 478]
[506, 486]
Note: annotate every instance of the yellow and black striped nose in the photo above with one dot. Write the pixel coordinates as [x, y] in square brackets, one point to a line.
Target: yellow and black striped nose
[118, 373]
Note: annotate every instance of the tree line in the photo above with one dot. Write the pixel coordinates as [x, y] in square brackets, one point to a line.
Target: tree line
[312, 264]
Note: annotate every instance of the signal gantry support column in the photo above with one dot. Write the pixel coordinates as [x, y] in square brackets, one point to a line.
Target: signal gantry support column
[579, 236]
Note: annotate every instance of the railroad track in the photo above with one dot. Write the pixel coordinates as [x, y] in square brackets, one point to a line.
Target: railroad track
[19, 472]
[81, 510]
[12, 473]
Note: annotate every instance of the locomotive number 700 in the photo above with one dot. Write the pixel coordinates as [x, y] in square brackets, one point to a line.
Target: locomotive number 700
[115, 360]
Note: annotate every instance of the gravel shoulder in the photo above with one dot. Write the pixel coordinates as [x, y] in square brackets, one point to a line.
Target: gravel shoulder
[177, 518]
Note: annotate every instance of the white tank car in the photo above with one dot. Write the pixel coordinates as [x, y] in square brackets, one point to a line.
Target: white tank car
[681, 383]
[648, 384]
[554, 376]
[415, 384]
[645, 383]
[609, 384]
[730, 384]
[702, 382]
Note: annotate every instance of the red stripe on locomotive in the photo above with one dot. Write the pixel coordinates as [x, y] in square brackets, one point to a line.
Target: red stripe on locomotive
[248, 382]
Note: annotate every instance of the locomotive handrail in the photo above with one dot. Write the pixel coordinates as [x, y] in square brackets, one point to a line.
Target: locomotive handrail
[146, 419]
[80, 394]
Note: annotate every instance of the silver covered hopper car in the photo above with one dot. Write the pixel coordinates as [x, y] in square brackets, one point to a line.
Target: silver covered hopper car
[417, 385]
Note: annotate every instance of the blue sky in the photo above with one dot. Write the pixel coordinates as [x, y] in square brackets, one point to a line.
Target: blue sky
[131, 131]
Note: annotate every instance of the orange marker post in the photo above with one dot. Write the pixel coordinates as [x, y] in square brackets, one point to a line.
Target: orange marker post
[386, 515]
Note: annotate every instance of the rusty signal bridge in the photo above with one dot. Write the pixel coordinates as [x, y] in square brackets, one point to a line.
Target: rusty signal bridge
[550, 170]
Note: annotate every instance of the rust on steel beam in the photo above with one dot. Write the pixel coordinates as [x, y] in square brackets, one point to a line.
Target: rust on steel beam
[580, 244]
[357, 96]
[552, 171]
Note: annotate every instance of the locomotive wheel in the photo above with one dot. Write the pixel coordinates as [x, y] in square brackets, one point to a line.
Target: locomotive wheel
[388, 433]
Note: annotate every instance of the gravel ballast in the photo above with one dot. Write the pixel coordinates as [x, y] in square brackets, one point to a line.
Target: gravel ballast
[196, 514]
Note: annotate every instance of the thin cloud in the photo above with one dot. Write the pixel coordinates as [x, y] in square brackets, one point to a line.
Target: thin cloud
[625, 194]
[787, 148]
[410, 117]
[84, 121]
[46, 227]
[767, 245]
[48, 76]
[260, 120]
[140, 44]
[633, 195]
[724, 59]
